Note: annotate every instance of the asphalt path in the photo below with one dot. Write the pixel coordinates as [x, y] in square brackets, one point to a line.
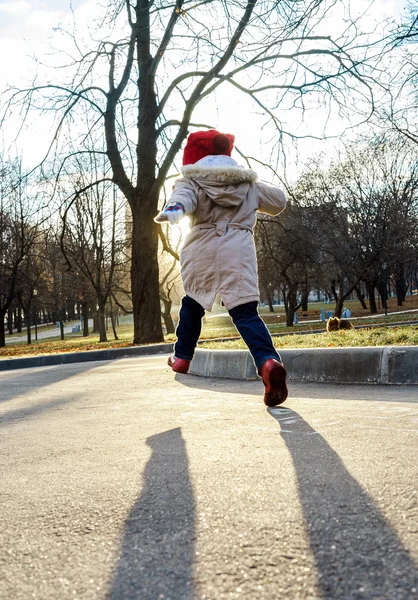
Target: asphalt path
[121, 481]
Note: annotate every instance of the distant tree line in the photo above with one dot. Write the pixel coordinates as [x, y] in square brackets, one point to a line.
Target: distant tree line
[58, 265]
[350, 228]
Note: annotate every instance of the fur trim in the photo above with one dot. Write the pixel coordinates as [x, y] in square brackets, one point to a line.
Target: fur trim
[227, 174]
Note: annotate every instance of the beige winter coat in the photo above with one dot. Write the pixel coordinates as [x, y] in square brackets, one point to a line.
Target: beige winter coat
[218, 255]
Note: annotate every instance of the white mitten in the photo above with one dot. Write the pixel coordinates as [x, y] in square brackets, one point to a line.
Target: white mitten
[172, 213]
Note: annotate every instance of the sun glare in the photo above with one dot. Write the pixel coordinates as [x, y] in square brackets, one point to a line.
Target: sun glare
[180, 231]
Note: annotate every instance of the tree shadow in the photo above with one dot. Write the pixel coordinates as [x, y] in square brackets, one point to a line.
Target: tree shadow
[357, 553]
[27, 383]
[157, 550]
[13, 383]
[12, 417]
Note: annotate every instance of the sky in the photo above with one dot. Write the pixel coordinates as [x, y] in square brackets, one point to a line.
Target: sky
[27, 28]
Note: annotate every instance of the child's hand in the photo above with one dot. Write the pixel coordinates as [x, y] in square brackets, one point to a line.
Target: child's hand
[172, 213]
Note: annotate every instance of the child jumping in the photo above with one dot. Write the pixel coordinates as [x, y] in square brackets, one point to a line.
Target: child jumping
[218, 257]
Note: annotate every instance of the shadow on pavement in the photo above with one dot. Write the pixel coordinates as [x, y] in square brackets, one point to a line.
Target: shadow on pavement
[27, 383]
[357, 553]
[15, 416]
[324, 391]
[157, 550]
[19, 383]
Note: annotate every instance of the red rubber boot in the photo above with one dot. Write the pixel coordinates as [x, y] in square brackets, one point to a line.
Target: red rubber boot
[179, 365]
[273, 374]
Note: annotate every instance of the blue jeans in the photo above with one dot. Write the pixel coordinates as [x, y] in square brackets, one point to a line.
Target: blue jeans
[245, 318]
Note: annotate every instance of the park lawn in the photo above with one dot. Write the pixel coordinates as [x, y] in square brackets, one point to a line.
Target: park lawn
[222, 326]
[73, 343]
[379, 336]
[70, 344]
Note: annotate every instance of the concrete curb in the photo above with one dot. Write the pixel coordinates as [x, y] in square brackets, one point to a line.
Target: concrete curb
[370, 365]
[381, 365]
[90, 355]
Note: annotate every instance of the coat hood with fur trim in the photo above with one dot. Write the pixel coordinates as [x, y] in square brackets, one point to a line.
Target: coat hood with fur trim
[221, 178]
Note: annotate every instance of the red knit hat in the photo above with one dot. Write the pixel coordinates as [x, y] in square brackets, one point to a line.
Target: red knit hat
[207, 143]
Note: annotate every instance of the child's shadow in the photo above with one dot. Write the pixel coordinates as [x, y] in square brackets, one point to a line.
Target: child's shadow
[357, 553]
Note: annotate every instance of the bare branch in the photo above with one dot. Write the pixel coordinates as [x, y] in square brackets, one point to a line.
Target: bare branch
[166, 245]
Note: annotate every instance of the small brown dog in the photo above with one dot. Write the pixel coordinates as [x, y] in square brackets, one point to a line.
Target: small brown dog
[334, 324]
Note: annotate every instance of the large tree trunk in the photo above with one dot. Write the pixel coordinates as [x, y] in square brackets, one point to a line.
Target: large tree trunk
[144, 275]
[144, 202]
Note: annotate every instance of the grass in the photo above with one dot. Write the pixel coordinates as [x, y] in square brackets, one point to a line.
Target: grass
[396, 336]
[222, 326]
[58, 346]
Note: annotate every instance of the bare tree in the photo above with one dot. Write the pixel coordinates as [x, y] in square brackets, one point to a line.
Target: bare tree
[366, 217]
[32, 271]
[58, 287]
[399, 113]
[161, 60]
[18, 232]
[288, 243]
[93, 237]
